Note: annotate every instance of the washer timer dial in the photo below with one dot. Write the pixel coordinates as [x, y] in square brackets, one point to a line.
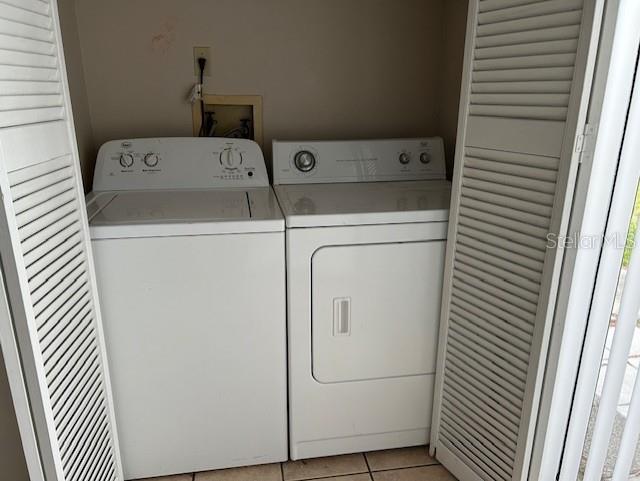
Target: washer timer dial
[230, 158]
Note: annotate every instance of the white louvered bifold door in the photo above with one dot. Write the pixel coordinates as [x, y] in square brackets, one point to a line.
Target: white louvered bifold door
[46, 256]
[526, 82]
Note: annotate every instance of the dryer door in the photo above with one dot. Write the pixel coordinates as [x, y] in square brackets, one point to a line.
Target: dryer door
[375, 310]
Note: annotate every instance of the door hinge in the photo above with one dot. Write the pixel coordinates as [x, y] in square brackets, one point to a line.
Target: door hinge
[584, 141]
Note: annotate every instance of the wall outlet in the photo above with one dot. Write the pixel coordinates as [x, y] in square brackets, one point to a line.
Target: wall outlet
[202, 52]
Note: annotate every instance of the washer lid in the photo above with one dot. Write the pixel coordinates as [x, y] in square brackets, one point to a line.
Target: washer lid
[182, 212]
[323, 205]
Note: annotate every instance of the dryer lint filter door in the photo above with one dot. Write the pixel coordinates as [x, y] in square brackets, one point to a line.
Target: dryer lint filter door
[376, 310]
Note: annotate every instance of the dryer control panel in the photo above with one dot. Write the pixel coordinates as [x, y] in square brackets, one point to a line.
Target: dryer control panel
[317, 162]
[179, 163]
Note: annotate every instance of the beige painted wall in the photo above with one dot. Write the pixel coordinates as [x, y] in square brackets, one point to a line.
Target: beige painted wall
[325, 68]
[79, 100]
[454, 30]
[12, 463]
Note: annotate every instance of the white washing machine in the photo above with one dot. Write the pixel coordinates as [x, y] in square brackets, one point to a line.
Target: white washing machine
[366, 223]
[188, 242]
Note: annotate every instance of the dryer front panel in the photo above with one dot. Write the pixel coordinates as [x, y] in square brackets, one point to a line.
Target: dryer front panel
[375, 310]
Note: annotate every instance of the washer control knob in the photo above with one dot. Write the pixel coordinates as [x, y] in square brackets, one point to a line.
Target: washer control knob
[126, 160]
[230, 158]
[425, 157]
[304, 161]
[404, 158]
[151, 160]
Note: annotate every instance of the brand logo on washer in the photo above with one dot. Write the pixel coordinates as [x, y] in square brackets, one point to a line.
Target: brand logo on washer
[126, 145]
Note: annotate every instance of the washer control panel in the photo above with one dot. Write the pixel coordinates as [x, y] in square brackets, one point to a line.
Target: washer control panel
[179, 163]
[358, 161]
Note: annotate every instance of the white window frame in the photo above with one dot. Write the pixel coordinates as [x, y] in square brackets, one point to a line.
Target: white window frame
[589, 277]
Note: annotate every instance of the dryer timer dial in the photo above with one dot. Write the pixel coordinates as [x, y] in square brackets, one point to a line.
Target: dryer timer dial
[304, 161]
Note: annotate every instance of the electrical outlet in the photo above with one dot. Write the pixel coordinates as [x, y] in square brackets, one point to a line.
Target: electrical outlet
[202, 52]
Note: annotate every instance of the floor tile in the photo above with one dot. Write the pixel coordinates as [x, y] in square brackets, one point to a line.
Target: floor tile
[348, 477]
[265, 472]
[424, 473]
[177, 477]
[399, 458]
[324, 467]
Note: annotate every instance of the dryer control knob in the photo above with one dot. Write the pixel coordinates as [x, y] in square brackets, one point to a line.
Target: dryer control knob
[425, 157]
[404, 158]
[126, 160]
[151, 160]
[304, 161]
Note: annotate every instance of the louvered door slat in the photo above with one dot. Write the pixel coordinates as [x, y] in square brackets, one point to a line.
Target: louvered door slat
[476, 445]
[46, 317]
[21, 30]
[502, 273]
[480, 413]
[567, 32]
[36, 6]
[476, 312]
[51, 326]
[529, 87]
[496, 457]
[523, 74]
[529, 9]
[28, 57]
[498, 281]
[488, 376]
[89, 399]
[480, 232]
[83, 371]
[491, 390]
[525, 60]
[524, 170]
[524, 93]
[504, 294]
[26, 45]
[504, 178]
[497, 346]
[485, 359]
[25, 16]
[569, 18]
[510, 213]
[523, 206]
[516, 193]
[46, 256]
[87, 390]
[471, 451]
[524, 49]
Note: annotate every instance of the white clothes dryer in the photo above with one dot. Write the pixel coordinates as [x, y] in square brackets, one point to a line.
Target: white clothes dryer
[366, 224]
[188, 241]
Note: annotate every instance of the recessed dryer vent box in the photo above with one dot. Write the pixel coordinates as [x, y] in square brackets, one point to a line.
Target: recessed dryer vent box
[238, 116]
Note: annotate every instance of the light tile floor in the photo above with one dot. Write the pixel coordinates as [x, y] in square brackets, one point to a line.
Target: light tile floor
[407, 464]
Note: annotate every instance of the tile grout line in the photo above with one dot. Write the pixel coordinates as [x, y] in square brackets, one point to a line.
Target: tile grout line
[406, 467]
[318, 478]
[282, 471]
[366, 461]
